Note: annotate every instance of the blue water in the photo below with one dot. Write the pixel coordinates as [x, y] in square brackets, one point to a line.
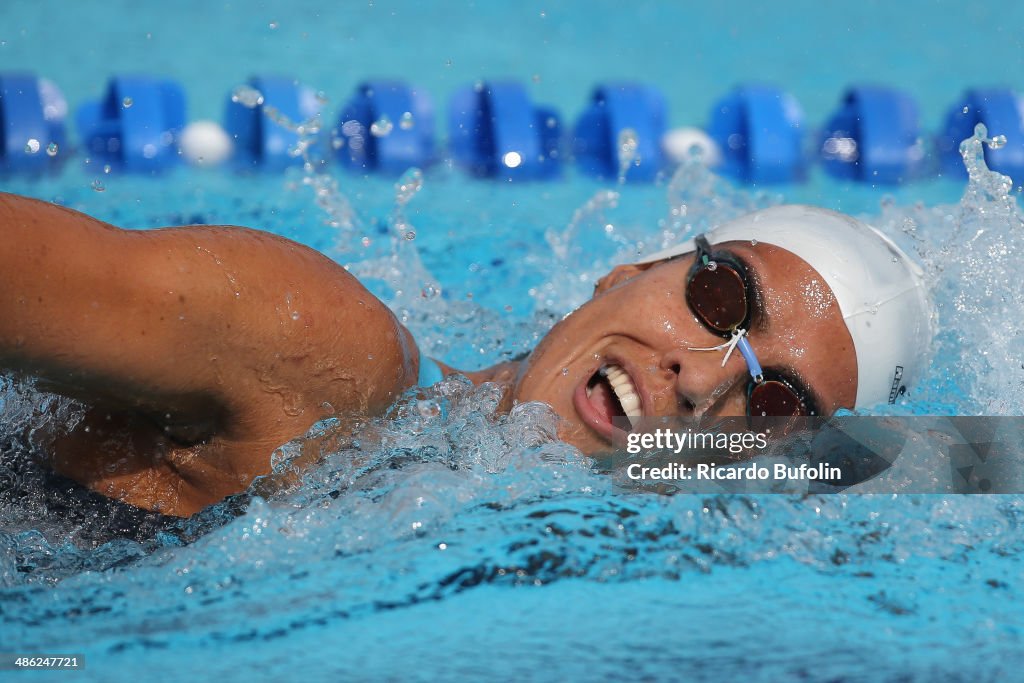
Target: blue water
[448, 542]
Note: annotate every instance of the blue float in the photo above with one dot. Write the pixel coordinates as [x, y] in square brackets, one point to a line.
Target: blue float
[135, 126]
[387, 126]
[495, 131]
[32, 113]
[263, 117]
[759, 130]
[618, 110]
[875, 136]
[1002, 112]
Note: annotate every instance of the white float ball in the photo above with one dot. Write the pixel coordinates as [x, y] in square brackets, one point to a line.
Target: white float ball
[204, 143]
[680, 144]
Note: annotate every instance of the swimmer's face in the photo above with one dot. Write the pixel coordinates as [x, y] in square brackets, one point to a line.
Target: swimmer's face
[639, 320]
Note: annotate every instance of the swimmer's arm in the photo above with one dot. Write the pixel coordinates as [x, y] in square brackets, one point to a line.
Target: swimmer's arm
[259, 330]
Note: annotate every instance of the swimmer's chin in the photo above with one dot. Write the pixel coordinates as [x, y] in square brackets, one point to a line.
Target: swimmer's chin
[587, 441]
[505, 375]
[570, 430]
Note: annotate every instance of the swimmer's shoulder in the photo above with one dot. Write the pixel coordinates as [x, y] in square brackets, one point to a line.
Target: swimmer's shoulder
[300, 317]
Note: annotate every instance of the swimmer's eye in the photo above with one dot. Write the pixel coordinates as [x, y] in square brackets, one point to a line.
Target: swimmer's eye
[718, 291]
[777, 395]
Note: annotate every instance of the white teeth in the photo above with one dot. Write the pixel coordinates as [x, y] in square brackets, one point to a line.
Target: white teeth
[626, 392]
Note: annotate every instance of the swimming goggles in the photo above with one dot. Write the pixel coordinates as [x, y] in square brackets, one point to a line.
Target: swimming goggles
[718, 291]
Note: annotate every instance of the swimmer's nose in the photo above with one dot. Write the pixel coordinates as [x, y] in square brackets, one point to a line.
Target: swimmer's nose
[699, 385]
[687, 400]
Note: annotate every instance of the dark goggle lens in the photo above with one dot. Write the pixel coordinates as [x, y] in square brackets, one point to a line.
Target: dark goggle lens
[775, 399]
[718, 296]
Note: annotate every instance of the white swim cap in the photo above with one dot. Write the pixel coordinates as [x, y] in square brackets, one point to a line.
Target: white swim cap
[879, 289]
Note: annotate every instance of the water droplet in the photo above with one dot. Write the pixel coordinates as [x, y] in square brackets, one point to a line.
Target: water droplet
[366, 242]
[410, 235]
[51, 149]
[966, 109]
[295, 315]
[565, 372]
[535, 78]
[106, 168]
[448, 62]
[997, 142]
[408, 185]
[247, 96]
[428, 292]
[127, 102]
[406, 122]
[712, 265]
[628, 141]
[381, 127]
[753, 243]
[32, 146]
[428, 409]
[273, 25]
[98, 186]
[629, 144]
[512, 159]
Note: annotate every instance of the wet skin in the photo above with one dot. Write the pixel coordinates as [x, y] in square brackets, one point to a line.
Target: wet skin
[199, 350]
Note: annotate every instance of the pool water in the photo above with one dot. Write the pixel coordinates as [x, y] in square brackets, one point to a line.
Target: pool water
[446, 541]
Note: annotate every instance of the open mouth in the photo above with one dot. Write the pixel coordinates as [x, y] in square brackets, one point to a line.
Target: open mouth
[611, 393]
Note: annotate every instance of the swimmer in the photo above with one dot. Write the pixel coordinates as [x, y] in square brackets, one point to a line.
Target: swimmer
[198, 350]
